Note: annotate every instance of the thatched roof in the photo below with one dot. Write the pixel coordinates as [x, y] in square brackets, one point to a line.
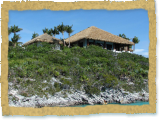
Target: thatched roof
[43, 38]
[97, 34]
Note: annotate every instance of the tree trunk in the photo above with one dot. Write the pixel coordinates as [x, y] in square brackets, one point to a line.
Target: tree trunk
[87, 42]
[14, 45]
[63, 40]
[69, 40]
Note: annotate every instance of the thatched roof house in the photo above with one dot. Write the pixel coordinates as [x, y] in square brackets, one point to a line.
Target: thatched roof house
[43, 38]
[99, 36]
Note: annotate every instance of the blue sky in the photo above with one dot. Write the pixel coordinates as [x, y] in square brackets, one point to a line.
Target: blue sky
[130, 22]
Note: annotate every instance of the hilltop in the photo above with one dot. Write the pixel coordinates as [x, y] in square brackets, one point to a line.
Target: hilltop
[91, 74]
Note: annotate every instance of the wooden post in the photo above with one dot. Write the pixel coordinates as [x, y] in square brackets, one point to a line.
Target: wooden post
[117, 47]
[78, 43]
[123, 46]
[104, 45]
[87, 42]
[128, 47]
[120, 47]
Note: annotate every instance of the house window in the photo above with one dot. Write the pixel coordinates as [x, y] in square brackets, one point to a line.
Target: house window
[109, 47]
[91, 43]
[100, 44]
[81, 44]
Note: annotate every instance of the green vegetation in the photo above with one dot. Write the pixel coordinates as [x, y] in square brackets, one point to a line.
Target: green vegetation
[34, 35]
[14, 40]
[89, 69]
[135, 39]
[69, 31]
[124, 36]
[57, 29]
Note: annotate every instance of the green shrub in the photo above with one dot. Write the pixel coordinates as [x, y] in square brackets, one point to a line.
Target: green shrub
[24, 94]
[31, 47]
[110, 80]
[129, 88]
[51, 91]
[16, 87]
[91, 90]
[12, 55]
[14, 99]
[66, 81]
[131, 65]
[56, 84]
[56, 73]
[58, 87]
[28, 54]
[19, 80]
[78, 86]
[28, 82]
[40, 71]
[67, 50]
[92, 67]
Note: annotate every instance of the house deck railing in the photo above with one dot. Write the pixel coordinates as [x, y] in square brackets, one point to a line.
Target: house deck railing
[120, 51]
[117, 52]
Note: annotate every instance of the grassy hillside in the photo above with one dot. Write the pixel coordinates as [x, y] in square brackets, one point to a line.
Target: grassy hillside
[89, 69]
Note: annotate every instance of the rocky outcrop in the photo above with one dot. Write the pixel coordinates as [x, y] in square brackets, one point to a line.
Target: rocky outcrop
[77, 98]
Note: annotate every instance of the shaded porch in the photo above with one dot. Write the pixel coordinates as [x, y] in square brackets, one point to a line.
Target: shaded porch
[103, 44]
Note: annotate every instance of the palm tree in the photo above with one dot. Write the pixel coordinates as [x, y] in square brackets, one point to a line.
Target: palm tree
[45, 30]
[55, 31]
[69, 31]
[19, 43]
[135, 40]
[62, 28]
[10, 43]
[124, 36]
[49, 32]
[9, 30]
[14, 29]
[35, 35]
[15, 39]
[120, 35]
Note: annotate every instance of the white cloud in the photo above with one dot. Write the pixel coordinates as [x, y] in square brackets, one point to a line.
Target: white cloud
[138, 50]
[141, 52]
[145, 53]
